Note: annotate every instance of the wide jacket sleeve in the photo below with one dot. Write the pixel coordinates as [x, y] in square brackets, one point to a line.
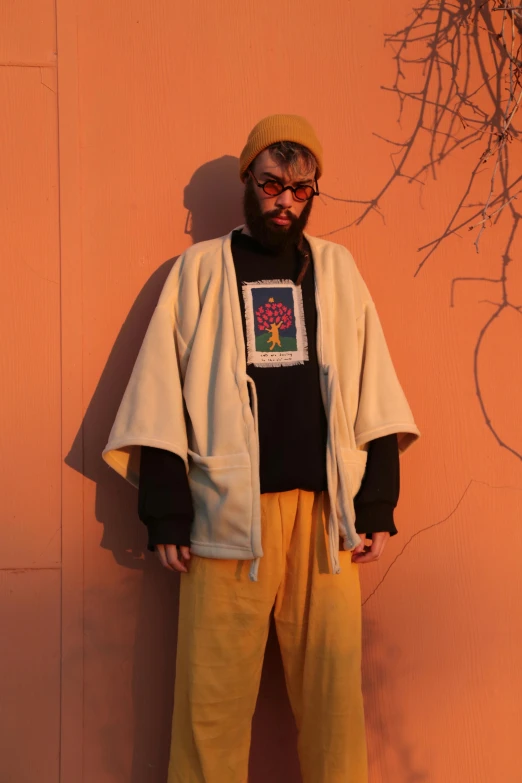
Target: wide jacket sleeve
[151, 412]
[382, 407]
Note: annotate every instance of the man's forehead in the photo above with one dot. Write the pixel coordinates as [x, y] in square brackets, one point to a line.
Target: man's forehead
[265, 162]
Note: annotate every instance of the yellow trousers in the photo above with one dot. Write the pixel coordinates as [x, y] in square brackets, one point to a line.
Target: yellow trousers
[223, 629]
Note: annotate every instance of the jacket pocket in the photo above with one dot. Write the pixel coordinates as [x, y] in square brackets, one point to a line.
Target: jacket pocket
[353, 465]
[221, 489]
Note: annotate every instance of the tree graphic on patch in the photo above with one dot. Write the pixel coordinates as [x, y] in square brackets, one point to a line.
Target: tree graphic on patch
[276, 334]
[274, 317]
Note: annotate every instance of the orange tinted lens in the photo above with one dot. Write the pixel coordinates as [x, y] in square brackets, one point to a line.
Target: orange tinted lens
[272, 188]
[304, 193]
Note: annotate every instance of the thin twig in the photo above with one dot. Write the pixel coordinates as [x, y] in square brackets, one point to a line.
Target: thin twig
[488, 217]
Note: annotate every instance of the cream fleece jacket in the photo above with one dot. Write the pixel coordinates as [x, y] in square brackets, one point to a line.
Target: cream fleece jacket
[189, 393]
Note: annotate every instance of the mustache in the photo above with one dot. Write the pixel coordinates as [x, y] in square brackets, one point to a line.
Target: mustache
[281, 213]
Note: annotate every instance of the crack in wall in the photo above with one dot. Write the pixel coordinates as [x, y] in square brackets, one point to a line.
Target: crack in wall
[435, 524]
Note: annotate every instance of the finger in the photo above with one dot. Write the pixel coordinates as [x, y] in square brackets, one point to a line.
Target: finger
[160, 551]
[374, 552]
[173, 560]
[364, 557]
[185, 552]
[379, 542]
[167, 556]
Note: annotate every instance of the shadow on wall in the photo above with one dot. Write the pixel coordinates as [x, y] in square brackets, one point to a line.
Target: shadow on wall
[213, 199]
[391, 754]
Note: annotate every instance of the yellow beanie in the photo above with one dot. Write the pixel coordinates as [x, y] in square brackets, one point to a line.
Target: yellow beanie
[280, 127]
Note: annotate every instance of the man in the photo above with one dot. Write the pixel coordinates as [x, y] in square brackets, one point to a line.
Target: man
[263, 423]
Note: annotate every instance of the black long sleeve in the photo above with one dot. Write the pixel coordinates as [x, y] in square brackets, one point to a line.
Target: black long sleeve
[379, 492]
[164, 498]
[165, 502]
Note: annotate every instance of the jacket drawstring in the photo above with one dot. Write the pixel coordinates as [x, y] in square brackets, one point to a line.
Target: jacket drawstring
[340, 496]
[254, 569]
[333, 525]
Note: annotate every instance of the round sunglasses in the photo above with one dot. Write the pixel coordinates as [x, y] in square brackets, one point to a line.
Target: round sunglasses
[273, 188]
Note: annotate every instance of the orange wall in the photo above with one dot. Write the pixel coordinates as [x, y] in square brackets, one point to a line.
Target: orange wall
[125, 123]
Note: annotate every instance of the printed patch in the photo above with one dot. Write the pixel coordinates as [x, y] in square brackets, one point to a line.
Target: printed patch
[276, 332]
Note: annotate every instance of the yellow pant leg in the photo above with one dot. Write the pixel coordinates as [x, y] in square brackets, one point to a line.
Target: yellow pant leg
[318, 621]
[223, 626]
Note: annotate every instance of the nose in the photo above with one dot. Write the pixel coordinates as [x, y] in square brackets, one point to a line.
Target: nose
[285, 199]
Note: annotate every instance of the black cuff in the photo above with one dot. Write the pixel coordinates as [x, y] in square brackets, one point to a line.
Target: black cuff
[173, 530]
[375, 518]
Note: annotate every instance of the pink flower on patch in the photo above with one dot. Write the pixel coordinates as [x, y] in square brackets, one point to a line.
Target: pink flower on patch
[274, 313]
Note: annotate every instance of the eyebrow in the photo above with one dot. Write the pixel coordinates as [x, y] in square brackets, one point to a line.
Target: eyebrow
[295, 182]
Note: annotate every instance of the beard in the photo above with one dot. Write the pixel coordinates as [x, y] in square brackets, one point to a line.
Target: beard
[275, 238]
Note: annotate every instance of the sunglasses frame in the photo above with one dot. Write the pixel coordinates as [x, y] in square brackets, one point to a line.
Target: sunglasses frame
[262, 185]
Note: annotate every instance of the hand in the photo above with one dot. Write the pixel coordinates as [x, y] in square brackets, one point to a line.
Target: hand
[364, 553]
[172, 559]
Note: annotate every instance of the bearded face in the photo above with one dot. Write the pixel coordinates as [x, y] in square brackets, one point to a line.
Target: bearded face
[275, 221]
